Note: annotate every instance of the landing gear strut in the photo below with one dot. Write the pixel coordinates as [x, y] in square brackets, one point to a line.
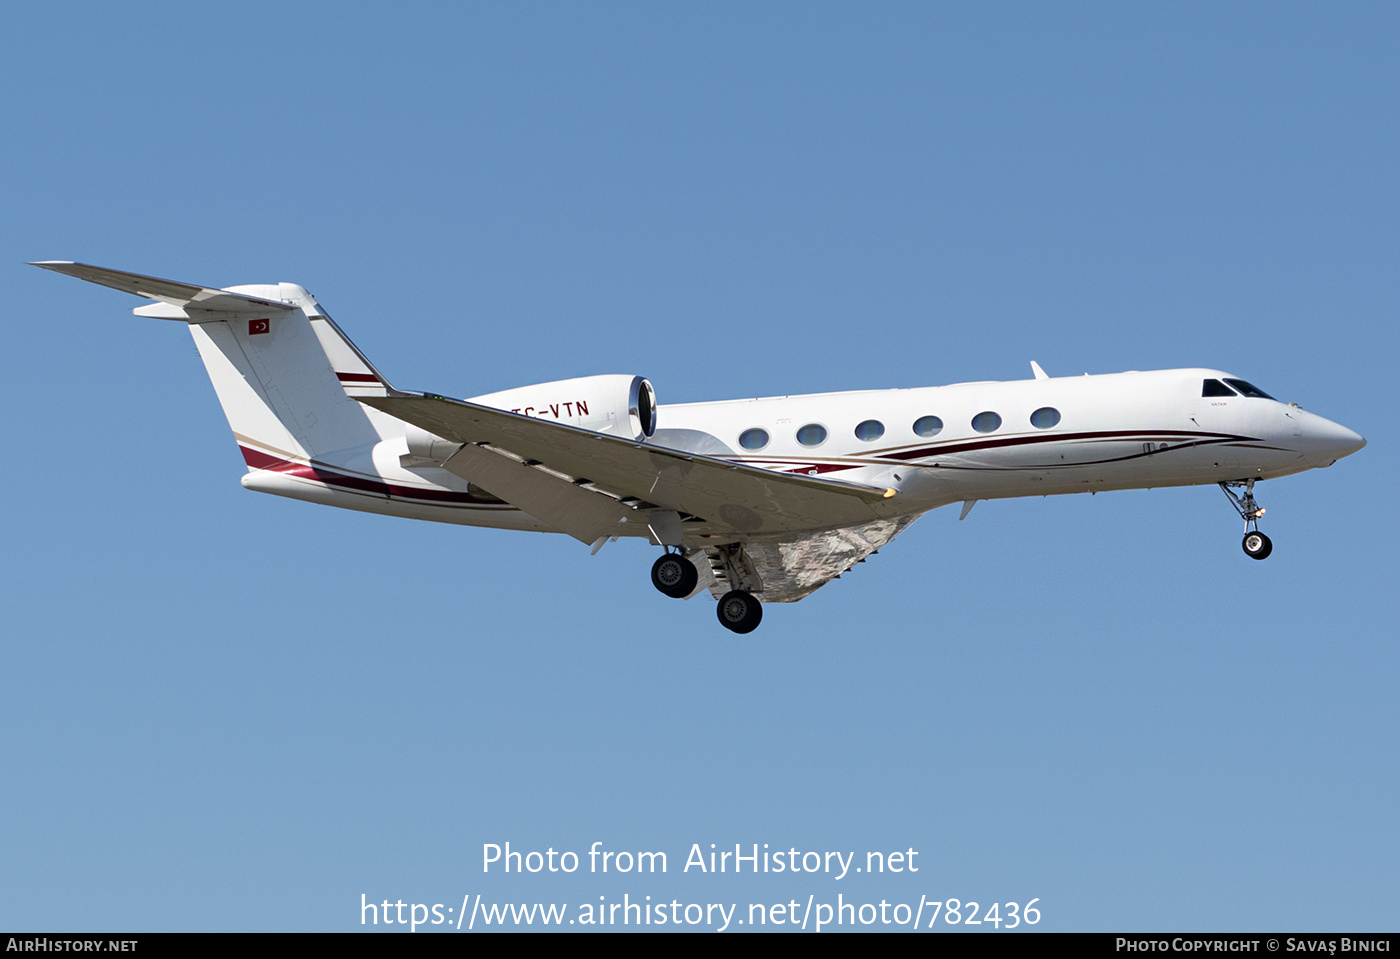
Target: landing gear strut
[1256, 545]
[739, 610]
[674, 575]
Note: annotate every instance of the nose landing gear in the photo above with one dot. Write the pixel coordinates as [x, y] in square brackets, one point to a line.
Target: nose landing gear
[1255, 544]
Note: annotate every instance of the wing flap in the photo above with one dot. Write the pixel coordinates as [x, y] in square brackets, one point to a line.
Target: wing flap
[583, 514]
[731, 498]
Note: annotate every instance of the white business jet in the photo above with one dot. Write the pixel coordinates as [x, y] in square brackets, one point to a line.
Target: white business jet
[762, 500]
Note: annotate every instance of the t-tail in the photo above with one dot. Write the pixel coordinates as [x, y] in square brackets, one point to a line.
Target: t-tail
[285, 374]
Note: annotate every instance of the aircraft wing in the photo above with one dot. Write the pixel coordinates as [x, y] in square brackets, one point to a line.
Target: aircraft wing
[167, 291]
[730, 499]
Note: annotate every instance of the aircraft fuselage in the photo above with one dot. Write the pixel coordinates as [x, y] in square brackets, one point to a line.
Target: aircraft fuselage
[1118, 431]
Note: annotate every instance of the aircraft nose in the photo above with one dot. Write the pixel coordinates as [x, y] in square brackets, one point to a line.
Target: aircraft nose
[1329, 442]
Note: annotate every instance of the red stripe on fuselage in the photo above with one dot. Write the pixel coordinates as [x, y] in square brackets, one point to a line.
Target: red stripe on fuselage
[987, 444]
[323, 474]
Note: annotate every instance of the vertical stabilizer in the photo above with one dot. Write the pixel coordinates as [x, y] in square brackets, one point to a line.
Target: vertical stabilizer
[285, 374]
[278, 388]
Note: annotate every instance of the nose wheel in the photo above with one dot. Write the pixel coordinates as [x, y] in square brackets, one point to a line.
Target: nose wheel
[1256, 545]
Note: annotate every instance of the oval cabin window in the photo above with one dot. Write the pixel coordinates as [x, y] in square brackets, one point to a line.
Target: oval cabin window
[870, 430]
[928, 426]
[987, 422]
[754, 439]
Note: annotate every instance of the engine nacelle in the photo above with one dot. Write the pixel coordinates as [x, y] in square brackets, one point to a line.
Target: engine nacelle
[618, 404]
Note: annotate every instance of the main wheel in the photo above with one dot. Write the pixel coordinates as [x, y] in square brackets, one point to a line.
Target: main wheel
[739, 611]
[674, 575]
[1257, 545]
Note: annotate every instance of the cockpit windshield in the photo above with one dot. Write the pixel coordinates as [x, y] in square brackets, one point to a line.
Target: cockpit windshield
[1215, 388]
[1249, 389]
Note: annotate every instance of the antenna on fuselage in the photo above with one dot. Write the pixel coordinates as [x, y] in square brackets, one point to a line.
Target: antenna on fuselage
[1039, 373]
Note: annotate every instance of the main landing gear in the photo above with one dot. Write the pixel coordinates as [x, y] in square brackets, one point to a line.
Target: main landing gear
[739, 611]
[1256, 545]
[675, 576]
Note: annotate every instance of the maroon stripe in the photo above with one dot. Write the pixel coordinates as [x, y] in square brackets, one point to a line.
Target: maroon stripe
[1047, 467]
[923, 451]
[262, 461]
[440, 495]
[323, 474]
[819, 468]
[358, 378]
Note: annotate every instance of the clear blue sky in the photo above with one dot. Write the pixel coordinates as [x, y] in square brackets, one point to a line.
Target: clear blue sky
[222, 710]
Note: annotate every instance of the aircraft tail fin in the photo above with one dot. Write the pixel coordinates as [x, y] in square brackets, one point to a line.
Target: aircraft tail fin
[285, 374]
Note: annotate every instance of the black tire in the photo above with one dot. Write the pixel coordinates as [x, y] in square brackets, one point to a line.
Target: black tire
[674, 575]
[739, 612]
[1256, 545]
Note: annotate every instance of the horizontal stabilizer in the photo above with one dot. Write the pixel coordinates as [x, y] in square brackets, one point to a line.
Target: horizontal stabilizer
[183, 295]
